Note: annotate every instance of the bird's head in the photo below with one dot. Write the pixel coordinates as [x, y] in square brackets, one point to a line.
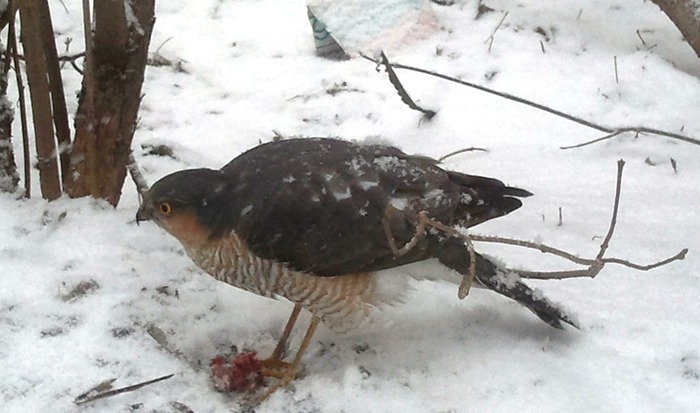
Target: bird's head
[191, 205]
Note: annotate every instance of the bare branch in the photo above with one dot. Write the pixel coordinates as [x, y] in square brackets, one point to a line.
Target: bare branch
[594, 265]
[533, 245]
[647, 267]
[136, 175]
[589, 272]
[601, 128]
[616, 207]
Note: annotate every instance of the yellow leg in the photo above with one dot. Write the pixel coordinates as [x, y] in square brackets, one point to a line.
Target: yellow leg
[282, 343]
[289, 372]
[273, 366]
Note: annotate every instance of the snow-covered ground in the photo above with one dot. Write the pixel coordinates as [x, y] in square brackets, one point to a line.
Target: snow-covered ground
[250, 69]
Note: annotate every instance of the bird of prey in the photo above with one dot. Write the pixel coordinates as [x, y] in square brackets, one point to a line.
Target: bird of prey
[326, 224]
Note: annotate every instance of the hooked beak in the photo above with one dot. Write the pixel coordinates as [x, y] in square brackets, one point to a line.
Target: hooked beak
[145, 211]
[143, 214]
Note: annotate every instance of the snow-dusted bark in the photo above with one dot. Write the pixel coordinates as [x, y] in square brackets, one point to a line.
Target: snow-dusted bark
[110, 98]
[685, 14]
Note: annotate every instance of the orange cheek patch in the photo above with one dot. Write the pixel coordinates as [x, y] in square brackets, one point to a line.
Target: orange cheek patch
[186, 228]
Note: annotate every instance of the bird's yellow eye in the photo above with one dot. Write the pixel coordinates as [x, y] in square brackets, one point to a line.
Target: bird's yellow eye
[165, 208]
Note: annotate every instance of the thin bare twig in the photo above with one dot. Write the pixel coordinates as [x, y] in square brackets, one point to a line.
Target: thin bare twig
[606, 137]
[601, 128]
[533, 245]
[83, 398]
[423, 222]
[136, 175]
[573, 258]
[457, 152]
[594, 265]
[680, 256]
[616, 208]
[181, 407]
[641, 38]
[419, 234]
[468, 279]
[490, 39]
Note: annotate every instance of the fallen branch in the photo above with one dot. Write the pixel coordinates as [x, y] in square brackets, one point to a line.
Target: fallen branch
[573, 258]
[611, 131]
[104, 390]
[594, 265]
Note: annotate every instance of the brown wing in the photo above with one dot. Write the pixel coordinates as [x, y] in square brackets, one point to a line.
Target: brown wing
[318, 204]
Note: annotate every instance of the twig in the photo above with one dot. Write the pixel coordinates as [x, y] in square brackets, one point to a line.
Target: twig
[680, 256]
[468, 279]
[570, 257]
[457, 152]
[616, 208]
[405, 98]
[83, 398]
[546, 249]
[163, 44]
[419, 234]
[641, 38]
[638, 130]
[103, 386]
[72, 59]
[423, 222]
[594, 265]
[561, 218]
[601, 128]
[606, 137]
[181, 407]
[490, 39]
[136, 175]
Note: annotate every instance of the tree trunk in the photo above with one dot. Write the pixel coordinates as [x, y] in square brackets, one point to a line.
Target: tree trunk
[685, 14]
[33, 16]
[110, 98]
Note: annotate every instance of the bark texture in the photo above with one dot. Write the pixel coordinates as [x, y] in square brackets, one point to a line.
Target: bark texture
[110, 98]
[685, 14]
[36, 27]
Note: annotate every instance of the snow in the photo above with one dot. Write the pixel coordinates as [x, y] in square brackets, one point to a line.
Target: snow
[249, 69]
